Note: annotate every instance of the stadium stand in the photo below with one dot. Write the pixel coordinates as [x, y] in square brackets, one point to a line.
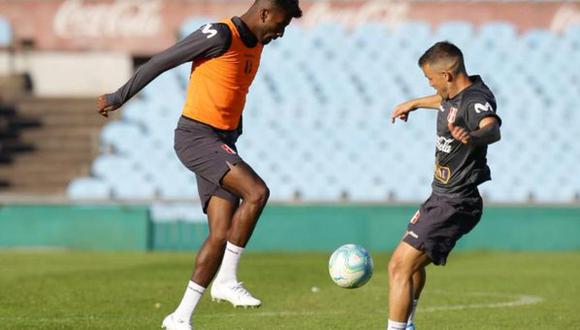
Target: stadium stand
[63, 139]
[316, 125]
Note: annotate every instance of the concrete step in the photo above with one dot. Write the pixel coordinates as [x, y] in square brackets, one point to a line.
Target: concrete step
[26, 190]
[48, 157]
[56, 133]
[13, 87]
[57, 103]
[56, 120]
[39, 179]
[66, 144]
[56, 144]
[36, 169]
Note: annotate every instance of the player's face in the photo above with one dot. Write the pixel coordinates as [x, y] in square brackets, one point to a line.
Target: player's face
[274, 23]
[437, 79]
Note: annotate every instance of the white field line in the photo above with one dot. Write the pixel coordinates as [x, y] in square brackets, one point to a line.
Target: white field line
[516, 300]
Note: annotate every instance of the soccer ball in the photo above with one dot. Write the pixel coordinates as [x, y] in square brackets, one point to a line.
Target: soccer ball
[350, 266]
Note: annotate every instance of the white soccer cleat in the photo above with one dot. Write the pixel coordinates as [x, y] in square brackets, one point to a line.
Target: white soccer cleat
[235, 293]
[171, 323]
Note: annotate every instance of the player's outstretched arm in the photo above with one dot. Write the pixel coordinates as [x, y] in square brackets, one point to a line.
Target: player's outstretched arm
[402, 110]
[487, 133]
[211, 40]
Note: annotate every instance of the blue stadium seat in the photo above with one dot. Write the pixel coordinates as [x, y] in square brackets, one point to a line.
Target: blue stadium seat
[133, 188]
[121, 136]
[359, 38]
[112, 168]
[495, 34]
[538, 47]
[137, 112]
[460, 33]
[413, 30]
[572, 35]
[180, 190]
[5, 33]
[88, 188]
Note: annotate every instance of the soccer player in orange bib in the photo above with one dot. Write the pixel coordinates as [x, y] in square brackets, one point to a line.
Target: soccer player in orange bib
[226, 57]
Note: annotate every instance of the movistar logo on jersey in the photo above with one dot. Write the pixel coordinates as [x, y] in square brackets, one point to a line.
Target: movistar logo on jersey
[209, 31]
[479, 108]
[444, 144]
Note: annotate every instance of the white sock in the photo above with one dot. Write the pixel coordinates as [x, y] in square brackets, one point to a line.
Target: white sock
[394, 325]
[413, 308]
[229, 268]
[190, 299]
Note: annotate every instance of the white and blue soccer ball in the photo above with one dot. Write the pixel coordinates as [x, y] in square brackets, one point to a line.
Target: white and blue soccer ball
[350, 266]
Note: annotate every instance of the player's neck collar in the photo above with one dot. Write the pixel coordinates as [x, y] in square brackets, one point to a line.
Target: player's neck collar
[248, 38]
[473, 81]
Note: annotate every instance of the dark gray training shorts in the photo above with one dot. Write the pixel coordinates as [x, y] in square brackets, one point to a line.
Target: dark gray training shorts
[206, 151]
[440, 223]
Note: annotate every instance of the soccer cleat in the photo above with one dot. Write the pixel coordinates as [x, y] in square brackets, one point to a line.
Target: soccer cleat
[171, 323]
[410, 326]
[235, 293]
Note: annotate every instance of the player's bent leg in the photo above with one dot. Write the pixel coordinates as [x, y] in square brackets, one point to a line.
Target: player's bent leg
[208, 259]
[405, 261]
[242, 181]
[245, 183]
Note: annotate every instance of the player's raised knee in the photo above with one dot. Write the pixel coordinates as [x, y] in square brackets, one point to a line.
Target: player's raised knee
[392, 266]
[258, 195]
[398, 268]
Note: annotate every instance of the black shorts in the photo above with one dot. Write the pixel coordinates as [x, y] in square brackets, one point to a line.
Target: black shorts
[440, 223]
[207, 151]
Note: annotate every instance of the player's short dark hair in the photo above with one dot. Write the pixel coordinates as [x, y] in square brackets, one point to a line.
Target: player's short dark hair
[444, 51]
[291, 7]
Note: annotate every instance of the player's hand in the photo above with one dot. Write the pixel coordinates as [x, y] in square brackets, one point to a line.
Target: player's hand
[402, 111]
[459, 133]
[103, 108]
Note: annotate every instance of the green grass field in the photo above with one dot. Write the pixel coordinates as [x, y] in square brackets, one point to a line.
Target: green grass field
[484, 290]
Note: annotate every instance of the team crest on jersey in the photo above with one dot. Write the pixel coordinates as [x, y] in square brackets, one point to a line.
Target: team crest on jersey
[442, 173]
[416, 217]
[452, 114]
[228, 149]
